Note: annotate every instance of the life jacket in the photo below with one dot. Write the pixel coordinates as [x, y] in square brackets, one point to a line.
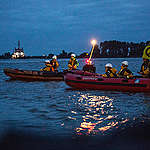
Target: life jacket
[145, 68]
[110, 73]
[54, 64]
[47, 68]
[125, 72]
[73, 64]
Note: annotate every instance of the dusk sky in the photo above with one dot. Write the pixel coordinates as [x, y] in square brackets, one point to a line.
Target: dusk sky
[49, 26]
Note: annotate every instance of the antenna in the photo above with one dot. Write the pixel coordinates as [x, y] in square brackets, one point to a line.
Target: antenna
[18, 44]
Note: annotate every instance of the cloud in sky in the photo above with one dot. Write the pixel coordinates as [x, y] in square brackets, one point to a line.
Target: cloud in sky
[51, 26]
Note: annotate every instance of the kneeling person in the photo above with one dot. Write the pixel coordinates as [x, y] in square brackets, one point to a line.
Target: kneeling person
[54, 64]
[73, 63]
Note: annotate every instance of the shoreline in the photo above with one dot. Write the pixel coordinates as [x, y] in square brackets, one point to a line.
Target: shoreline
[45, 57]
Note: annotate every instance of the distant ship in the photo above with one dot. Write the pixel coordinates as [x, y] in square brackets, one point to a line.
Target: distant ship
[18, 53]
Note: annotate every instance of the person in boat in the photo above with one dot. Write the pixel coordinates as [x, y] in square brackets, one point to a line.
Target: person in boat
[51, 65]
[47, 66]
[145, 68]
[54, 64]
[89, 67]
[110, 72]
[124, 71]
[73, 63]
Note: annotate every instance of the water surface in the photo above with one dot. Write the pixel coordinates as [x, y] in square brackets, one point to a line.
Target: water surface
[52, 109]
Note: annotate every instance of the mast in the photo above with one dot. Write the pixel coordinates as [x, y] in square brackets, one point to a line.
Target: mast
[18, 44]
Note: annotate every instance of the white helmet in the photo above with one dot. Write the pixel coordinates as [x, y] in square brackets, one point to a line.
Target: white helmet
[47, 61]
[73, 55]
[108, 65]
[125, 63]
[54, 57]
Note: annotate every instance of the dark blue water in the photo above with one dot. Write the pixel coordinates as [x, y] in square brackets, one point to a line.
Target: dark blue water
[52, 109]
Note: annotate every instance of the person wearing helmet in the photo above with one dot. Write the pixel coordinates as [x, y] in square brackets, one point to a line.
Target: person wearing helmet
[145, 68]
[73, 63]
[110, 72]
[124, 71]
[47, 66]
[54, 64]
[51, 65]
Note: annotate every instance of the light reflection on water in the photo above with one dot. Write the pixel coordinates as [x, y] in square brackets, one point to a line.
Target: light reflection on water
[97, 115]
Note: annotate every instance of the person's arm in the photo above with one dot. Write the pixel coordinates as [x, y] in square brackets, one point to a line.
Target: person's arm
[56, 65]
[121, 72]
[77, 63]
[141, 70]
[129, 72]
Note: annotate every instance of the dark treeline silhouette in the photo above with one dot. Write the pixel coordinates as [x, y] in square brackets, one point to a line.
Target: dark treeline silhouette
[106, 49]
[5, 55]
[64, 54]
[119, 49]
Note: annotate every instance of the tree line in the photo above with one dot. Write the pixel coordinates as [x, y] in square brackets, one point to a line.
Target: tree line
[119, 49]
[106, 49]
[112, 49]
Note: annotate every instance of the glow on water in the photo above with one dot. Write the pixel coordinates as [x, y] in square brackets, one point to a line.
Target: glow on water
[97, 115]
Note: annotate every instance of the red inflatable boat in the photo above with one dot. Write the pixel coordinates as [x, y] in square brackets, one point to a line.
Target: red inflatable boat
[33, 75]
[85, 80]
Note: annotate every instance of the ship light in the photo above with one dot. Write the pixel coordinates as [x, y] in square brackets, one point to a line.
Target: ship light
[93, 42]
[88, 61]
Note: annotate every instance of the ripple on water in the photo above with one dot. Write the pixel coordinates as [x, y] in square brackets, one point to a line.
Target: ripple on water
[35, 110]
[95, 114]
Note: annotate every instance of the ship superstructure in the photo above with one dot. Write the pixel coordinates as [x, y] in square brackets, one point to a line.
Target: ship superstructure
[19, 52]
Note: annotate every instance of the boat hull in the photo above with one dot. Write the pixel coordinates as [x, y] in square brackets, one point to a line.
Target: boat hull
[93, 81]
[33, 75]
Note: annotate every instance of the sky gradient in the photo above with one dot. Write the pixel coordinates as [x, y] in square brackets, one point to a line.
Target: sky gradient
[49, 26]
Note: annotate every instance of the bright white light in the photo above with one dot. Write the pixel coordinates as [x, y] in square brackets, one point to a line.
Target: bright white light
[93, 42]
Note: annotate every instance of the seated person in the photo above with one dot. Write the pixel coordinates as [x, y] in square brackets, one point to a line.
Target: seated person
[124, 71]
[109, 71]
[145, 68]
[73, 63]
[51, 65]
[47, 66]
[89, 67]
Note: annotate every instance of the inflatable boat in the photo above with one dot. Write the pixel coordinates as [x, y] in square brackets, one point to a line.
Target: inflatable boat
[33, 75]
[93, 81]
